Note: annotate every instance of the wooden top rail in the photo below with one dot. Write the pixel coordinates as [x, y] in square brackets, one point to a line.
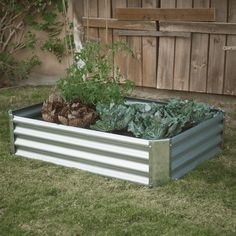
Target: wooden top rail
[151, 33]
[117, 24]
[178, 14]
[199, 27]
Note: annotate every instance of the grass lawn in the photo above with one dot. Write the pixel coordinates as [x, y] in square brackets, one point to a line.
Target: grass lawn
[37, 198]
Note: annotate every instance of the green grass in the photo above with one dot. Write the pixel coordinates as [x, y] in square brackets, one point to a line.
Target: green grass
[37, 198]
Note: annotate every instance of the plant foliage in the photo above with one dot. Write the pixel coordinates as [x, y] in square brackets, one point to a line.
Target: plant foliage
[56, 46]
[91, 79]
[17, 69]
[17, 18]
[152, 120]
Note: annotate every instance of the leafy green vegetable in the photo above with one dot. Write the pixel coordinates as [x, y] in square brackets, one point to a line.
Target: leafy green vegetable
[152, 120]
[113, 117]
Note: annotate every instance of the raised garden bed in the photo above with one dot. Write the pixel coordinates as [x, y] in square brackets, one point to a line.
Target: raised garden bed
[148, 162]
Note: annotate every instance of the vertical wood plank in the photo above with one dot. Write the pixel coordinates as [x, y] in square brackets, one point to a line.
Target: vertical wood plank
[216, 62]
[199, 57]
[182, 56]
[120, 60]
[149, 48]
[78, 9]
[165, 70]
[134, 72]
[105, 12]
[230, 72]
[91, 11]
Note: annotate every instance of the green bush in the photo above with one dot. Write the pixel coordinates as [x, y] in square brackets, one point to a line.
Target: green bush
[17, 16]
[14, 69]
[91, 78]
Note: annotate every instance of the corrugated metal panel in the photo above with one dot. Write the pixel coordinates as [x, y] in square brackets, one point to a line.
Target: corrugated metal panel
[87, 167]
[198, 129]
[196, 145]
[102, 153]
[81, 143]
[58, 128]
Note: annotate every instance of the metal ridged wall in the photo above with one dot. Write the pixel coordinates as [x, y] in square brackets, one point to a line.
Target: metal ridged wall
[196, 145]
[102, 153]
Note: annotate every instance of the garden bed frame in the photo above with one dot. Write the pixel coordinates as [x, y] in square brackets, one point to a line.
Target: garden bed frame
[148, 162]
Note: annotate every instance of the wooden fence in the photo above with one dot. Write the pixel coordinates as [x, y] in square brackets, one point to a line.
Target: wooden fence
[175, 55]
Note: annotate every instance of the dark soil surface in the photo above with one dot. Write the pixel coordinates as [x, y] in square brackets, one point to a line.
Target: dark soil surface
[123, 132]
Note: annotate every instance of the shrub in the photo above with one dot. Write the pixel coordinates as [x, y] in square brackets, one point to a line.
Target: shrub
[91, 77]
[16, 16]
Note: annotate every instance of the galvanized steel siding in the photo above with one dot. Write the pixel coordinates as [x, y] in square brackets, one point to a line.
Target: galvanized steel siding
[105, 154]
[195, 145]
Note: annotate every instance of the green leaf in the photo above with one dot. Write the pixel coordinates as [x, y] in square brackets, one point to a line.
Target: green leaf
[152, 120]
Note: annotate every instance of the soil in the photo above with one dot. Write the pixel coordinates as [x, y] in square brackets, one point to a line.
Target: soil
[123, 132]
[57, 110]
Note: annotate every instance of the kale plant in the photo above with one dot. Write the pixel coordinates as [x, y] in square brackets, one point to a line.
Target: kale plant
[153, 120]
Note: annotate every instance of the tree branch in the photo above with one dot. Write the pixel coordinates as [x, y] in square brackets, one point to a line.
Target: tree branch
[12, 33]
[3, 18]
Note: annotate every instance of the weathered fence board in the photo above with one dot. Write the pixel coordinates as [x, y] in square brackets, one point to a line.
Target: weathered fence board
[91, 10]
[182, 56]
[216, 62]
[149, 47]
[201, 14]
[120, 60]
[166, 56]
[199, 27]
[105, 12]
[199, 57]
[150, 33]
[175, 55]
[230, 70]
[117, 24]
[135, 61]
